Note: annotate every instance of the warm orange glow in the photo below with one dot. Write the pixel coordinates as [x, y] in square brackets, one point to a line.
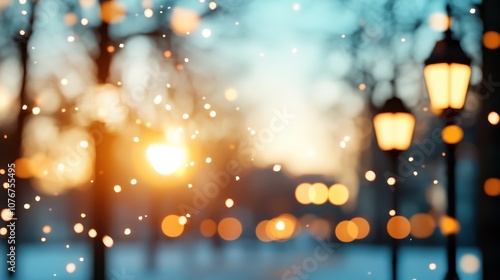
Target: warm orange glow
[398, 227]
[338, 194]
[302, 193]
[171, 226]
[491, 40]
[346, 231]
[452, 134]
[108, 241]
[447, 84]
[449, 225]
[318, 193]
[493, 118]
[165, 159]
[439, 21]
[370, 175]
[92, 233]
[261, 233]
[394, 130]
[281, 228]
[46, 229]
[422, 225]
[78, 228]
[6, 215]
[23, 168]
[363, 227]
[87, 3]
[184, 21]
[230, 229]
[492, 187]
[208, 228]
[112, 11]
[70, 19]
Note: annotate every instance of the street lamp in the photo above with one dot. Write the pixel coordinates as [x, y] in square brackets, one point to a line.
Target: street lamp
[447, 73]
[394, 125]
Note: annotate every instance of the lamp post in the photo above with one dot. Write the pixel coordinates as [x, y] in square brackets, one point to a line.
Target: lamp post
[394, 125]
[447, 73]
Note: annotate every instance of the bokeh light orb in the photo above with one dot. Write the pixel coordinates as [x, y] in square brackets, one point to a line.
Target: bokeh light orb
[261, 233]
[338, 194]
[422, 225]
[171, 226]
[346, 231]
[230, 229]
[491, 40]
[370, 175]
[318, 193]
[452, 134]
[449, 225]
[493, 118]
[398, 227]
[492, 186]
[302, 193]
[363, 227]
[470, 263]
[208, 228]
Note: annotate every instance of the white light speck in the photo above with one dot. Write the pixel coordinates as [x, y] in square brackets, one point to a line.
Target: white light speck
[472, 11]
[148, 13]
[206, 33]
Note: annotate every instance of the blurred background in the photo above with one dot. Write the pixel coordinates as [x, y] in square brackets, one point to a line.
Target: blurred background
[234, 139]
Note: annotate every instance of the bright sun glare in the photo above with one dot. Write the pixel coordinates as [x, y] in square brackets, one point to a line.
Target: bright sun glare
[165, 159]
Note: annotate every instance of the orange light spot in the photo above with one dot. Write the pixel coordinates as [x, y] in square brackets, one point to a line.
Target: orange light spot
[422, 225]
[302, 193]
[260, 231]
[363, 227]
[184, 21]
[230, 229]
[208, 228]
[338, 194]
[398, 227]
[23, 168]
[491, 40]
[491, 186]
[452, 134]
[449, 225]
[171, 226]
[346, 231]
[112, 11]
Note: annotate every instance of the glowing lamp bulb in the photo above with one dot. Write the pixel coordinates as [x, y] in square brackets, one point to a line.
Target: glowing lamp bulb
[165, 159]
